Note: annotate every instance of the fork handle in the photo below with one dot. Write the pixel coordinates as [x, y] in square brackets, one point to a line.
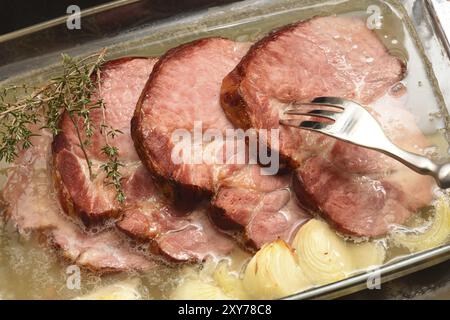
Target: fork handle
[443, 176]
[422, 165]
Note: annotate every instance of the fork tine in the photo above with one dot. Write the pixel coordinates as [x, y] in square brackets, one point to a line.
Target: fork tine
[291, 123]
[308, 125]
[314, 125]
[318, 103]
[326, 114]
[330, 102]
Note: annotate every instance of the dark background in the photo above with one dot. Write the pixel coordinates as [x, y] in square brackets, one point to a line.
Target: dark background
[18, 14]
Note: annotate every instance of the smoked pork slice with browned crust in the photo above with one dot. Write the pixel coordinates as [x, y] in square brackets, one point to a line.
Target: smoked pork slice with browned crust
[324, 56]
[92, 200]
[183, 91]
[327, 56]
[184, 88]
[177, 235]
[145, 215]
[262, 208]
[363, 192]
[32, 206]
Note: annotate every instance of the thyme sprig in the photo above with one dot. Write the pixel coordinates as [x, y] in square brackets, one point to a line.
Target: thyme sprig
[112, 170]
[24, 108]
[113, 165]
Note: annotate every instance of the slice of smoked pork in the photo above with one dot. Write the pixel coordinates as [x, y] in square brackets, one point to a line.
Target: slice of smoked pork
[32, 205]
[183, 91]
[301, 62]
[311, 59]
[145, 215]
[184, 88]
[92, 200]
[260, 205]
[177, 235]
[362, 192]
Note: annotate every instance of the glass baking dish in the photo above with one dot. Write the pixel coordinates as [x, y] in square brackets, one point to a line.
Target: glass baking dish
[414, 30]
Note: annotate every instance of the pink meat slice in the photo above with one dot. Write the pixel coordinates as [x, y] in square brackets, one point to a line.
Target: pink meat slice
[263, 205]
[183, 93]
[184, 89]
[301, 62]
[362, 193]
[92, 200]
[32, 205]
[365, 193]
[177, 235]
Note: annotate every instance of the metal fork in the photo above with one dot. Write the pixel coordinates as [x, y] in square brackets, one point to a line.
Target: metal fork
[351, 122]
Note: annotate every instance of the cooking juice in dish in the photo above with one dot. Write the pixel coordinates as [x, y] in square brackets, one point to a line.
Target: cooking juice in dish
[31, 270]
